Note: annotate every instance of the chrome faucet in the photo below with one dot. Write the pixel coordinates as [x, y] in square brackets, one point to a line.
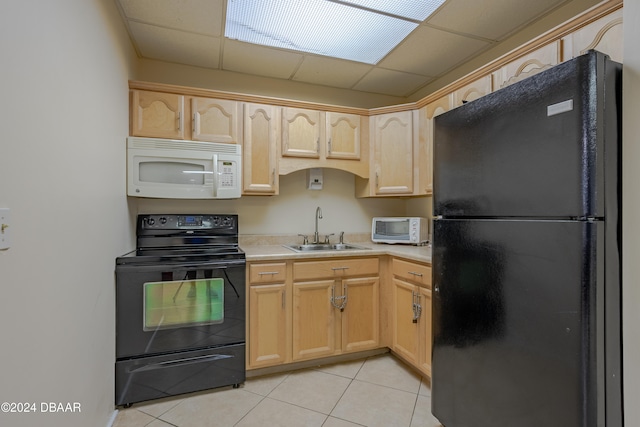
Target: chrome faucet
[316, 236]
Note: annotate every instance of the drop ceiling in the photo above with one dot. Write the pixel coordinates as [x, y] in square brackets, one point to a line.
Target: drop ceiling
[191, 32]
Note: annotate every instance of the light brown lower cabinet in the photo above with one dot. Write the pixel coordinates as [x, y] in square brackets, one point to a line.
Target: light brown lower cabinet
[313, 308]
[333, 311]
[411, 317]
[269, 334]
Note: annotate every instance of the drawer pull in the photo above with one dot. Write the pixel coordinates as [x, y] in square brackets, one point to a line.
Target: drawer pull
[415, 273]
[267, 273]
[339, 268]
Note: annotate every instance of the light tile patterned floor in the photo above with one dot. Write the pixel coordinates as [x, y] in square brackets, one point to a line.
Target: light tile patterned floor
[378, 391]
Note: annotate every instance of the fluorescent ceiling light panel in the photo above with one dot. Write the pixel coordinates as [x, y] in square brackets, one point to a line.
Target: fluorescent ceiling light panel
[357, 30]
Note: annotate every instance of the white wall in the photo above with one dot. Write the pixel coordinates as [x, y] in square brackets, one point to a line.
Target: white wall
[293, 210]
[64, 119]
[631, 213]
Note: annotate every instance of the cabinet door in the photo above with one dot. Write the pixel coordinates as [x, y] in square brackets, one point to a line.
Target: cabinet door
[260, 145]
[425, 331]
[157, 114]
[539, 60]
[360, 316]
[405, 330]
[472, 91]
[267, 325]
[314, 322]
[300, 132]
[604, 35]
[393, 152]
[214, 120]
[343, 136]
[434, 109]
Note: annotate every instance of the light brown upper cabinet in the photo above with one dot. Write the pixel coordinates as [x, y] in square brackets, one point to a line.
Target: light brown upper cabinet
[527, 65]
[157, 114]
[215, 120]
[324, 139]
[316, 134]
[260, 149]
[300, 132]
[393, 139]
[343, 132]
[471, 91]
[174, 116]
[393, 153]
[604, 35]
[435, 108]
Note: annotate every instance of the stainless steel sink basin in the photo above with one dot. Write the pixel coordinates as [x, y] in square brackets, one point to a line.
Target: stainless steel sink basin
[324, 247]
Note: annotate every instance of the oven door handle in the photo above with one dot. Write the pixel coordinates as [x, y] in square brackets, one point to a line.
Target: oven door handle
[181, 362]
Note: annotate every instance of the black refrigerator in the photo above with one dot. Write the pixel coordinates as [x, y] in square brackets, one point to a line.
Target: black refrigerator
[527, 253]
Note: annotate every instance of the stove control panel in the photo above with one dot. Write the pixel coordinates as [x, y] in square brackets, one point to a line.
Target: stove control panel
[186, 222]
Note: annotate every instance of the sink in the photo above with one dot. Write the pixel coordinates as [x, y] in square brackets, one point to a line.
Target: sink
[324, 247]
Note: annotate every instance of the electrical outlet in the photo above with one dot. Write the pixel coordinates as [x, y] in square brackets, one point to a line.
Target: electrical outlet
[5, 229]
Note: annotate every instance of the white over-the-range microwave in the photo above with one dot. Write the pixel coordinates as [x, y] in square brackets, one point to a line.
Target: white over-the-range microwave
[407, 230]
[174, 169]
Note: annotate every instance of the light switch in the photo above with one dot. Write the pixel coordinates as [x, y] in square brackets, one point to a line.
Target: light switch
[5, 229]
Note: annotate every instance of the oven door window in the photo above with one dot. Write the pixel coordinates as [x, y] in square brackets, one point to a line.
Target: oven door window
[174, 304]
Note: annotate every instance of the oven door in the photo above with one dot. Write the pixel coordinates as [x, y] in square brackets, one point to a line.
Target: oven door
[168, 308]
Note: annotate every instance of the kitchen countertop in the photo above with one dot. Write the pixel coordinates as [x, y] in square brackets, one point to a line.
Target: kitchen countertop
[270, 248]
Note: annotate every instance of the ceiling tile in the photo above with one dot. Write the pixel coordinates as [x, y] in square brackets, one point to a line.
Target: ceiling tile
[176, 46]
[190, 32]
[196, 16]
[419, 54]
[253, 59]
[491, 19]
[330, 72]
[391, 82]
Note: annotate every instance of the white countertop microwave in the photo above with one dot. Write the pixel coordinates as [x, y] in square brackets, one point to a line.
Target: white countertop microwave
[407, 230]
[176, 169]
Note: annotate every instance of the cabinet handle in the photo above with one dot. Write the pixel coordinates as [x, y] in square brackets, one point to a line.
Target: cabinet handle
[329, 144]
[377, 181]
[273, 176]
[415, 273]
[284, 299]
[266, 273]
[179, 121]
[339, 268]
[318, 145]
[340, 301]
[416, 306]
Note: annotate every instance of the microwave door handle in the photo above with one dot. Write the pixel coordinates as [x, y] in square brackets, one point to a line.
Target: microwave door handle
[216, 176]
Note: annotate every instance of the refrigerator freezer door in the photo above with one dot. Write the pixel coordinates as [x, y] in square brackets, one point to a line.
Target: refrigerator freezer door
[517, 309]
[537, 148]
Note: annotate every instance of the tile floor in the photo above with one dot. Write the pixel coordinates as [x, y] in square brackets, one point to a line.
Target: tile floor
[377, 391]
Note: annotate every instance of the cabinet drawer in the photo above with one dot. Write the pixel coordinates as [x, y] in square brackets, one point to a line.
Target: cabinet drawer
[335, 268]
[412, 272]
[267, 273]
